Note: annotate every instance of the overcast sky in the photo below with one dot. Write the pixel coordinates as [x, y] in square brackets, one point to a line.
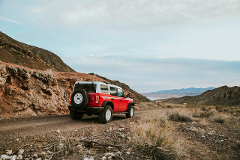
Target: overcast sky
[150, 45]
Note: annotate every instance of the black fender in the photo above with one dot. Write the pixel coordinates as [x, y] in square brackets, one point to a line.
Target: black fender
[105, 103]
[129, 105]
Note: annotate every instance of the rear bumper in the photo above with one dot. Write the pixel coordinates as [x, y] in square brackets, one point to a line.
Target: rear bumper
[87, 109]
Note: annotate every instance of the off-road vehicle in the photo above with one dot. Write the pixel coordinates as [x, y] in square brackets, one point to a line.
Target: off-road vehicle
[99, 98]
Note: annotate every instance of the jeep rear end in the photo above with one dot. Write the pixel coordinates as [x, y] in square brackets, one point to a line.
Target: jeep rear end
[98, 98]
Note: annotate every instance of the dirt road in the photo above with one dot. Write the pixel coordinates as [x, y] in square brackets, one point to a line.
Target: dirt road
[30, 126]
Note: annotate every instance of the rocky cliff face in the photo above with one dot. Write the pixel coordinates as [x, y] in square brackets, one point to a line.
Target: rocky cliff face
[28, 92]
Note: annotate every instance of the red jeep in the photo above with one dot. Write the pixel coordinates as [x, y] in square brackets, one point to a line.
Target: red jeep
[99, 98]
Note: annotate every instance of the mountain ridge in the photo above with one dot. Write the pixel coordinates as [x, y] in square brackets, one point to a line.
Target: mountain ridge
[219, 96]
[13, 51]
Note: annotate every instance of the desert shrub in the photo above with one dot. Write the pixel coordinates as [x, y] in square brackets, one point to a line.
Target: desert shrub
[205, 108]
[219, 108]
[196, 113]
[201, 114]
[170, 105]
[155, 132]
[179, 117]
[205, 114]
[167, 106]
[192, 105]
[157, 137]
[220, 118]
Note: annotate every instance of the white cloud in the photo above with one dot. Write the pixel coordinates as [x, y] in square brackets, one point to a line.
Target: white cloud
[128, 14]
[11, 21]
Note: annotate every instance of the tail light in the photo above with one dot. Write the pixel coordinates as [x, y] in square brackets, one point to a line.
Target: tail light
[97, 99]
[70, 97]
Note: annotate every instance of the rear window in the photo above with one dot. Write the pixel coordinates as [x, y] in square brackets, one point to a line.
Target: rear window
[104, 89]
[87, 87]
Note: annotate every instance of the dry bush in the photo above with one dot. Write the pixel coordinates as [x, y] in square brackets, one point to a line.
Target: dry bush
[158, 133]
[206, 108]
[180, 116]
[192, 105]
[199, 113]
[170, 105]
[220, 118]
[153, 131]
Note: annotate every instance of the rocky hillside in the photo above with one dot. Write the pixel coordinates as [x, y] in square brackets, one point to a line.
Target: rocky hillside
[12, 51]
[219, 96]
[28, 92]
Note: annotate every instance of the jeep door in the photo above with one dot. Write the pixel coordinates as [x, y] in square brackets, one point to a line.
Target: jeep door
[115, 99]
[123, 101]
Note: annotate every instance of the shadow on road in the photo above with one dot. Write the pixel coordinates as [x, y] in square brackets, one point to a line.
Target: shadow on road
[95, 119]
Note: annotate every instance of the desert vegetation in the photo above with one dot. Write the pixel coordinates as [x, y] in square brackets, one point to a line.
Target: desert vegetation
[215, 128]
[163, 131]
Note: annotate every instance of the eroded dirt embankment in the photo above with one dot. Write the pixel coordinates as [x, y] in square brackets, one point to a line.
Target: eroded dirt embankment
[28, 92]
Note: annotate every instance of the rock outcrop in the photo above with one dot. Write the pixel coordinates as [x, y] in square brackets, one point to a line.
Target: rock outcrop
[28, 92]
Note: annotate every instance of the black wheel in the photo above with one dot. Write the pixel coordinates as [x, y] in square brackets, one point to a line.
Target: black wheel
[80, 98]
[130, 112]
[106, 115]
[76, 115]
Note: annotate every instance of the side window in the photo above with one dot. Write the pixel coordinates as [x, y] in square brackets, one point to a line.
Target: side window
[104, 88]
[120, 92]
[113, 91]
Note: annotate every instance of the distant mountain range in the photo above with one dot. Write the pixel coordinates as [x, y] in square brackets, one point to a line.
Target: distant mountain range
[177, 92]
[188, 91]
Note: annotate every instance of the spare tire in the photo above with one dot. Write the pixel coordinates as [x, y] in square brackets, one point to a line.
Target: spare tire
[80, 98]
